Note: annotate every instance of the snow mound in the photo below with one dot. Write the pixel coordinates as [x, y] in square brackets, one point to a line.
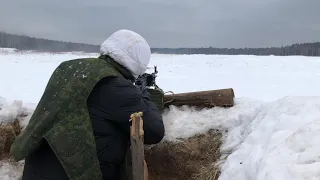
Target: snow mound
[15, 110]
[184, 122]
[11, 171]
[9, 113]
[282, 142]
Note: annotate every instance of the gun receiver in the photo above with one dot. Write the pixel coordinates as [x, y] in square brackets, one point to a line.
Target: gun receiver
[147, 80]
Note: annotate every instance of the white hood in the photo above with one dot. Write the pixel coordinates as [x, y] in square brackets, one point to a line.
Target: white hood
[129, 49]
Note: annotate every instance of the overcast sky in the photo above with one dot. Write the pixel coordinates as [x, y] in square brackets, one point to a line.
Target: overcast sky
[168, 23]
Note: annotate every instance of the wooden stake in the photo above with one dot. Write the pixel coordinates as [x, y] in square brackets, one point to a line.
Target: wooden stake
[139, 169]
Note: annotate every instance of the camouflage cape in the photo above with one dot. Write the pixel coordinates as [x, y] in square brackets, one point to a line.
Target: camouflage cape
[62, 118]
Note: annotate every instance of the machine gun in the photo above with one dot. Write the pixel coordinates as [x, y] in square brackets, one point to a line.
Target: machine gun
[147, 80]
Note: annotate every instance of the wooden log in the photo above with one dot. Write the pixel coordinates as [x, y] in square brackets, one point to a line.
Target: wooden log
[211, 98]
[139, 167]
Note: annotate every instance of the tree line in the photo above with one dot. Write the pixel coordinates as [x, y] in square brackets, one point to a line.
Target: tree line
[304, 49]
[22, 42]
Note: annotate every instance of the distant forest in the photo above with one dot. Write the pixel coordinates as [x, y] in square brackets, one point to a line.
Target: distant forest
[22, 42]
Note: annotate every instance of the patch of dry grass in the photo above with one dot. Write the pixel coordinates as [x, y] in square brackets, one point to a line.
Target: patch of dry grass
[193, 159]
[8, 133]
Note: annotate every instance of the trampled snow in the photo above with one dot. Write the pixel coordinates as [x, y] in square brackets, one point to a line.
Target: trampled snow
[270, 134]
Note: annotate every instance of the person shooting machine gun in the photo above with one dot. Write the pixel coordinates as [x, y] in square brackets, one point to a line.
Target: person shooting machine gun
[80, 125]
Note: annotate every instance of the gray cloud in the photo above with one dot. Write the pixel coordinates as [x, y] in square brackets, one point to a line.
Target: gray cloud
[175, 23]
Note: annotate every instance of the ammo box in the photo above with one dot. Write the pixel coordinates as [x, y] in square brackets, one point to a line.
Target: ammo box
[157, 96]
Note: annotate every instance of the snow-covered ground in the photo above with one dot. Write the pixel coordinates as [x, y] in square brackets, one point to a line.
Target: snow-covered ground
[272, 132]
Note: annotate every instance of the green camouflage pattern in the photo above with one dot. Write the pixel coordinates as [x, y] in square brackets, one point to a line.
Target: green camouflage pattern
[62, 118]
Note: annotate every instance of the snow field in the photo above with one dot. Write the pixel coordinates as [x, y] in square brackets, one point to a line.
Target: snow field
[270, 134]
